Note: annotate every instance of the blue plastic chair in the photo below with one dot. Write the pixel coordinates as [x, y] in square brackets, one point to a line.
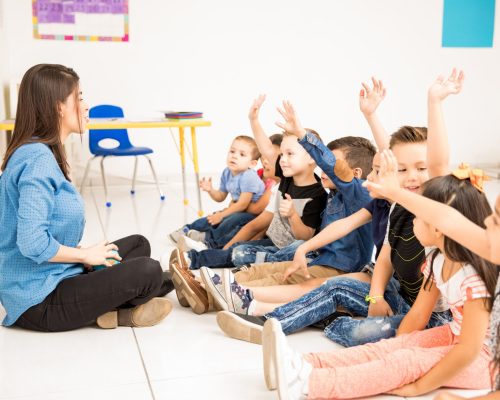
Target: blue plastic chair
[125, 148]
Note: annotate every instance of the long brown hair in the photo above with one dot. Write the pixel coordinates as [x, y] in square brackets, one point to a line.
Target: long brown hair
[461, 195]
[43, 88]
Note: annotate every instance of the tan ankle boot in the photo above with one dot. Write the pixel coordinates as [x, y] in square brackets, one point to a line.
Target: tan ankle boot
[147, 314]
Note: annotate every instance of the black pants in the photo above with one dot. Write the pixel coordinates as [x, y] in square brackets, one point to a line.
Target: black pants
[79, 300]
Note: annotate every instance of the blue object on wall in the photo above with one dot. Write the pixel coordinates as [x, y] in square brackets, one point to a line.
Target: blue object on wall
[468, 23]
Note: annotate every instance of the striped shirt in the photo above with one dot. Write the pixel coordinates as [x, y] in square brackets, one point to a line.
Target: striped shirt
[464, 285]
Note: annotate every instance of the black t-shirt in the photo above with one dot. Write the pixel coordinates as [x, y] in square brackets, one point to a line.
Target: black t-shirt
[407, 254]
[309, 202]
[379, 209]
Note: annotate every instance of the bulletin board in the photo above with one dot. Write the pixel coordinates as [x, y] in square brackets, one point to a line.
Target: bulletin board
[86, 20]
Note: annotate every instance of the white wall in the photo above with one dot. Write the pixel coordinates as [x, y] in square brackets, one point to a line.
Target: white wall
[4, 73]
[216, 56]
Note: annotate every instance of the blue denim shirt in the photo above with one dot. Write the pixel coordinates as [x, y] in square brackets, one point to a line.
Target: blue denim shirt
[354, 250]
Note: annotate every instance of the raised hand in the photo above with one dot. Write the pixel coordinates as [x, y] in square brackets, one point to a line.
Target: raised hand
[370, 98]
[99, 253]
[292, 124]
[387, 181]
[286, 208]
[442, 88]
[206, 184]
[253, 114]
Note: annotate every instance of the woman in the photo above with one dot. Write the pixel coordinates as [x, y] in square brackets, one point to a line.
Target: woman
[47, 282]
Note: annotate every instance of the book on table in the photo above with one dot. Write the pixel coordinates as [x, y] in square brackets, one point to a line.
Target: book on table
[183, 114]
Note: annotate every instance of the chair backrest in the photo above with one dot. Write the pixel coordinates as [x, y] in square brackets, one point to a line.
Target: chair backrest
[96, 135]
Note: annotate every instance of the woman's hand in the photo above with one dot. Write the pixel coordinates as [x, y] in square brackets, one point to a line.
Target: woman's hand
[99, 253]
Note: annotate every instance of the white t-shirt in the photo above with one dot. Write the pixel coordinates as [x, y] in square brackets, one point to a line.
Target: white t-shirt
[462, 286]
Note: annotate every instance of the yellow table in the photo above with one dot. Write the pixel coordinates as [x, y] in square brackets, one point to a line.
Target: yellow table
[181, 125]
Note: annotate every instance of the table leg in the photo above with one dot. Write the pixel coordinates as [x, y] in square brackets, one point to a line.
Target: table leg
[182, 144]
[196, 169]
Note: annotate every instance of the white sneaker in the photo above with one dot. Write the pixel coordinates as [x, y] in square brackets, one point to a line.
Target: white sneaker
[283, 367]
[196, 235]
[185, 244]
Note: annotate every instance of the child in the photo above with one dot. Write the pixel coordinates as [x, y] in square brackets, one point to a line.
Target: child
[483, 242]
[415, 362]
[242, 182]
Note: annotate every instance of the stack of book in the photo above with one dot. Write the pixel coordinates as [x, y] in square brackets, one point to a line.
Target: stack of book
[183, 114]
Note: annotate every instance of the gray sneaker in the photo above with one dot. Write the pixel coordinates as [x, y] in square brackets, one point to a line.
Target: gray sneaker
[196, 235]
[214, 286]
[241, 326]
[238, 298]
[175, 235]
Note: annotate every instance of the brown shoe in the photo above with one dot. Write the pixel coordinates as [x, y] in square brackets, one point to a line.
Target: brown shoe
[188, 288]
[147, 314]
[176, 257]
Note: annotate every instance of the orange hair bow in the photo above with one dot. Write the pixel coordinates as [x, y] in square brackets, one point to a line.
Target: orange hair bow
[475, 175]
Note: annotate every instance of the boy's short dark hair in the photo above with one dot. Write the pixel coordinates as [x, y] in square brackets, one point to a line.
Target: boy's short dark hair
[408, 134]
[251, 142]
[358, 152]
[276, 139]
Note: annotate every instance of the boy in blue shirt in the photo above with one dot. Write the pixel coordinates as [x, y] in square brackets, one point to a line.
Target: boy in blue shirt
[240, 180]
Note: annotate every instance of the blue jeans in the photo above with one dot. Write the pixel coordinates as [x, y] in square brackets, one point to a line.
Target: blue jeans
[349, 294]
[216, 258]
[256, 253]
[217, 236]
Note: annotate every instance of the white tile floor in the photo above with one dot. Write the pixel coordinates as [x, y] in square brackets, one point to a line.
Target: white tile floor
[184, 357]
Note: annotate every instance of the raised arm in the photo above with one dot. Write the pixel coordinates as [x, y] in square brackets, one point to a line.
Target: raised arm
[263, 142]
[438, 149]
[369, 100]
[216, 195]
[445, 218]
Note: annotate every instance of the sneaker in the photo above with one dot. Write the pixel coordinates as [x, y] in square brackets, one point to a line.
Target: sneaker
[147, 314]
[185, 244]
[180, 258]
[241, 326]
[196, 235]
[238, 298]
[189, 290]
[215, 288]
[175, 235]
[284, 368]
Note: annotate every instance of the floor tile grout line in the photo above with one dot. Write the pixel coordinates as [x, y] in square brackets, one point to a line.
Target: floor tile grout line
[144, 365]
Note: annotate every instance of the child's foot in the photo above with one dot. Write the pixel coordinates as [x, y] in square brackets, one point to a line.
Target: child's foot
[185, 244]
[175, 235]
[189, 290]
[239, 299]
[283, 367]
[196, 235]
[241, 326]
[147, 314]
[215, 287]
